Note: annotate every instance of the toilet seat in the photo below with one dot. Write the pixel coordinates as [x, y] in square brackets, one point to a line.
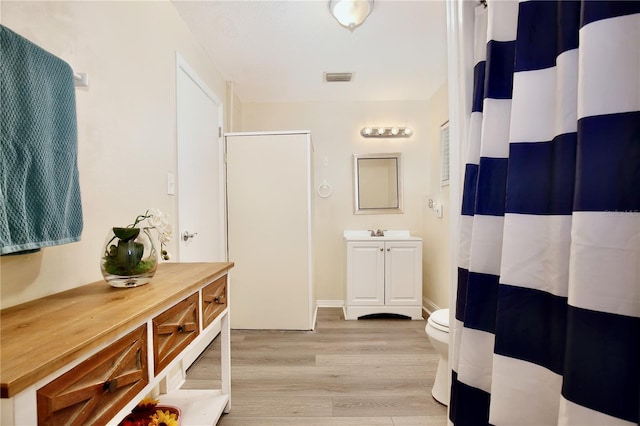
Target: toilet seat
[440, 320]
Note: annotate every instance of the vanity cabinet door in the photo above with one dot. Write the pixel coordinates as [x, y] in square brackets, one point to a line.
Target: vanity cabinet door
[403, 273]
[365, 273]
[214, 300]
[173, 330]
[95, 390]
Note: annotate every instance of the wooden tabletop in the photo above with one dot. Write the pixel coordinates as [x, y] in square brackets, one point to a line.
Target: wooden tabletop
[39, 337]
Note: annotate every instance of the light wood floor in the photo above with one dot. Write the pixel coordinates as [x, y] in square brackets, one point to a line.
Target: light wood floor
[345, 373]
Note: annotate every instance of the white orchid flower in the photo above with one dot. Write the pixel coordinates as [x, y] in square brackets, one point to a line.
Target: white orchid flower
[166, 233]
[158, 220]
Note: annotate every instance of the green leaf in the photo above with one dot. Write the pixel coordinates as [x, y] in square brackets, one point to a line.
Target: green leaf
[126, 234]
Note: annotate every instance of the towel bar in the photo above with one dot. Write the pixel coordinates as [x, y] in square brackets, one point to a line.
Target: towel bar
[81, 79]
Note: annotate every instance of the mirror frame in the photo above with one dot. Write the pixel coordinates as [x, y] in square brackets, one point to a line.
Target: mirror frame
[356, 184]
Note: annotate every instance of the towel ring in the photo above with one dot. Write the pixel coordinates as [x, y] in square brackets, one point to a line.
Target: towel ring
[324, 189]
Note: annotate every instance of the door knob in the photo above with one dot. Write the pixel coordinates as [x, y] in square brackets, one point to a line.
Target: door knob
[186, 235]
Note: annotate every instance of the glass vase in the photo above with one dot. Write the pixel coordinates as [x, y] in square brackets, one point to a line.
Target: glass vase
[129, 257]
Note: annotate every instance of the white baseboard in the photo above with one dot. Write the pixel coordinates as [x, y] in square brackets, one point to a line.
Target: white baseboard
[429, 307]
[314, 321]
[329, 303]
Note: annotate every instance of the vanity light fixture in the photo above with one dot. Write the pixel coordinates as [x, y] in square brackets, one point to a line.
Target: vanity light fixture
[350, 13]
[386, 132]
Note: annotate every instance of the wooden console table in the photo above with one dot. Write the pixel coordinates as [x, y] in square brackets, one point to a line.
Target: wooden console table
[88, 355]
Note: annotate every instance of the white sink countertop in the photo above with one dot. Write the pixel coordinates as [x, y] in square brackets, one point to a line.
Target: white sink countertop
[365, 235]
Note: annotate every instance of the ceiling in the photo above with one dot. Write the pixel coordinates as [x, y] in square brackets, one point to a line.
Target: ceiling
[278, 50]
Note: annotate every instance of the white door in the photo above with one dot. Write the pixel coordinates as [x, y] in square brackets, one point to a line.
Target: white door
[269, 230]
[199, 181]
[403, 273]
[365, 273]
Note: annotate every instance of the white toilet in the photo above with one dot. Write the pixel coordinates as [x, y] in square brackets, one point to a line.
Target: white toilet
[437, 330]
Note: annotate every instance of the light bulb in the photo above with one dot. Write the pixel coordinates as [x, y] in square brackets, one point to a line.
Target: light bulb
[366, 131]
[408, 131]
[381, 131]
[395, 131]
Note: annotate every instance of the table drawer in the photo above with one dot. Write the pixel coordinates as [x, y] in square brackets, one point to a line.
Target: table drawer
[214, 300]
[173, 330]
[95, 390]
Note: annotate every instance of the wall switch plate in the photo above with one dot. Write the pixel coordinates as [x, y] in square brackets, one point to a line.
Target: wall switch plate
[438, 210]
[171, 184]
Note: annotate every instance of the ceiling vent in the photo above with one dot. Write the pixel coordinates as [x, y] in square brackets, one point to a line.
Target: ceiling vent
[331, 77]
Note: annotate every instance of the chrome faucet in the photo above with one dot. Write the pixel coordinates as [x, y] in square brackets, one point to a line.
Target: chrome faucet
[378, 233]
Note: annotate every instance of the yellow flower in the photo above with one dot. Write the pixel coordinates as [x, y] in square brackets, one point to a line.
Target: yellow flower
[165, 418]
[146, 404]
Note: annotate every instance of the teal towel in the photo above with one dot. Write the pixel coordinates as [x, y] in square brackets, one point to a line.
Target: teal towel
[40, 202]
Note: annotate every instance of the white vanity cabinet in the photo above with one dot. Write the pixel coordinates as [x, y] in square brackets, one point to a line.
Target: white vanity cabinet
[383, 274]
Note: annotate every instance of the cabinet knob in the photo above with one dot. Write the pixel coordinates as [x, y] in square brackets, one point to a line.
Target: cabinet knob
[381, 249]
[110, 385]
[388, 249]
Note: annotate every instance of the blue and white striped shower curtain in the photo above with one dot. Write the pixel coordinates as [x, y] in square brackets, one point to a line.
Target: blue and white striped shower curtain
[547, 317]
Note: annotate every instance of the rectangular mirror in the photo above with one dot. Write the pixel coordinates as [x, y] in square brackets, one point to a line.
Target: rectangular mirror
[377, 183]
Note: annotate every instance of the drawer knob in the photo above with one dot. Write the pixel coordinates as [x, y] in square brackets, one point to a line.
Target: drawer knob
[180, 328]
[219, 300]
[110, 385]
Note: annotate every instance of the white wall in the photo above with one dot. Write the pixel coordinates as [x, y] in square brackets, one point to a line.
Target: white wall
[335, 131]
[436, 231]
[126, 126]
[126, 123]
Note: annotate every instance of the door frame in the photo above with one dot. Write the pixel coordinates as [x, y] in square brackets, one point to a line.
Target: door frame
[183, 66]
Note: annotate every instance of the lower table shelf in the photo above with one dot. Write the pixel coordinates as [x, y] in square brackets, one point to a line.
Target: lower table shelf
[199, 407]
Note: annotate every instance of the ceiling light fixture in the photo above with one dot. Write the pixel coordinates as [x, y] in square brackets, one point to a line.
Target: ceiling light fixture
[386, 132]
[350, 13]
